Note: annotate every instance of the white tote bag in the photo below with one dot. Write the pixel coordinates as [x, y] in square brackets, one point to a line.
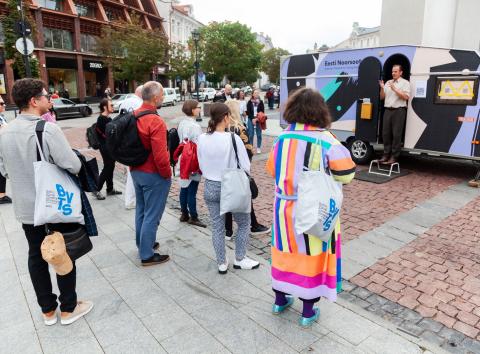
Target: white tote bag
[319, 202]
[130, 197]
[57, 196]
[235, 195]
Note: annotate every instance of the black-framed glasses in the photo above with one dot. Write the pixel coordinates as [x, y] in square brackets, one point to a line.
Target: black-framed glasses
[2, 103]
[47, 95]
[199, 107]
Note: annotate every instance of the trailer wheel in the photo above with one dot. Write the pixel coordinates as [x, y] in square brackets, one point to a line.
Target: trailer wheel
[361, 151]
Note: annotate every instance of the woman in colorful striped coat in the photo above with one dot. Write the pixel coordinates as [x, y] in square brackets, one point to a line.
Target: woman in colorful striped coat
[303, 265]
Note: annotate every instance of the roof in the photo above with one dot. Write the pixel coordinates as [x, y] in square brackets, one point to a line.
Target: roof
[184, 9]
[367, 30]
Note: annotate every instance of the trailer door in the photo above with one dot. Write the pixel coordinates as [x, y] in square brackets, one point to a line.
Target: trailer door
[369, 74]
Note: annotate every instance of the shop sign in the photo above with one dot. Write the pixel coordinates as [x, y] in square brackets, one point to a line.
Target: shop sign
[93, 65]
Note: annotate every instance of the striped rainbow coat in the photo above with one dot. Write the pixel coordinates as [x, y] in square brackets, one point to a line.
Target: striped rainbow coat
[303, 265]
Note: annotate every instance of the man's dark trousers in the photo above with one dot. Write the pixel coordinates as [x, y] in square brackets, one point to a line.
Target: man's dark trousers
[393, 124]
[38, 269]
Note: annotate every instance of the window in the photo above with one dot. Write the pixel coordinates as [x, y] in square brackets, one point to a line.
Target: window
[88, 42]
[85, 10]
[57, 38]
[51, 4]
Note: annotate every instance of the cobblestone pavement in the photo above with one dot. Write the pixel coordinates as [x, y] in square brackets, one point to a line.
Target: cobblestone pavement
[431, 269]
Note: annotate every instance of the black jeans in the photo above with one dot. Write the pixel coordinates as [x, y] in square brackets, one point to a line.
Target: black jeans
[3, 183]
[40, 275]
[108, 167]
[393, 124]
[229, 222]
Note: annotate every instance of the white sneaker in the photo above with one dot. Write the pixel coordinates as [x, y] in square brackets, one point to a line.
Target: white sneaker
[223, 268]
[50, 318]
[246, 263]
[259, 151]
[82, 308]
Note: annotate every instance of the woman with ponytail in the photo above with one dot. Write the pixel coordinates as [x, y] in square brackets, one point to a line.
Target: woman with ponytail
[214, 156]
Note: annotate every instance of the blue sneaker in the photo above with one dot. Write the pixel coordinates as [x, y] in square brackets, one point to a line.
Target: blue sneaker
[277, 309]
[308, 321]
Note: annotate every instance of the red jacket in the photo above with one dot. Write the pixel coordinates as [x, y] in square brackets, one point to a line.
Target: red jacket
[262, 120]
[189, 162]
[152, 131]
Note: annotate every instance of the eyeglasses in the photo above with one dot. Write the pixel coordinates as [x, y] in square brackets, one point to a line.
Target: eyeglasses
[2, 103]
[47, 95]
[199, 107]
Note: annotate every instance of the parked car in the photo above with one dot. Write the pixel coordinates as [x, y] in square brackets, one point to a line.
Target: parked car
[65, 108]
[205, 94]
[118, 99]
[169, 96]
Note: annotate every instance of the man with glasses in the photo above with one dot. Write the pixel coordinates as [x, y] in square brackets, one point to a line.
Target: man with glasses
[18, 152]
[4, 199]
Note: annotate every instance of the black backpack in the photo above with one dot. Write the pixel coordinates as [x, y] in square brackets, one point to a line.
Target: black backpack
[123, 142]
[173, 140]
[92, 137]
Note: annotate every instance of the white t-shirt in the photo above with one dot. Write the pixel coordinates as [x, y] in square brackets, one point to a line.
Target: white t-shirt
[215, 154]
[131, 104]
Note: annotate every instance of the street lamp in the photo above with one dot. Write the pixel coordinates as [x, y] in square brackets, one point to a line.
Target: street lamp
[196, 38]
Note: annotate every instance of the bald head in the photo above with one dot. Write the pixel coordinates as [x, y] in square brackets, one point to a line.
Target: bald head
[138, 91]
[152, 93]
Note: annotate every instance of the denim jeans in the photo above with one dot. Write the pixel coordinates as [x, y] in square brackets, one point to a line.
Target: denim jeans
[251, 132]
[188, 199]
[151, 191]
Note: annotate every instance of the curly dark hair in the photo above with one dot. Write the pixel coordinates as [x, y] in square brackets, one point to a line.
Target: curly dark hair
[189, 106]
[218, 111]
[24, 89]
[307, 106]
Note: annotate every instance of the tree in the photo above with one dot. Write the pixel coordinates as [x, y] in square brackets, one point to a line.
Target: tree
[181, 63]
[230, 49]
[9, 24]
[271, 63]
[131, 50]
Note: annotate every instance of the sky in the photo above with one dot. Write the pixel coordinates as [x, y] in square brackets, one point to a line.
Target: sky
[293, 25]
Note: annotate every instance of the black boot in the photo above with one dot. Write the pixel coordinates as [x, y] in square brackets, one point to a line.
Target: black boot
[184, 217]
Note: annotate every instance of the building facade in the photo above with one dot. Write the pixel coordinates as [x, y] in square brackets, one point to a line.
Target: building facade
[179, 22]
[267, 43]
[361, 37]
[434, 23]
[66, 34]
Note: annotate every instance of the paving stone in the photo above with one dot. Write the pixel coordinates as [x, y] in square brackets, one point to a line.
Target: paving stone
[410, 315]
[432, 338]
[136, 344]
[386, 342]
[406, 224]
[27, 342]
[351, 268]
[471, 345]
[347, 286]
[54, 339]
[347, 296]
[359, 302]
[167, 323]
[392, 308]
[89, 346]
[453, 338]
[377, 299]
[361, 293]
[411, 328]
[430, 325]
[284, 326]
[329, 345]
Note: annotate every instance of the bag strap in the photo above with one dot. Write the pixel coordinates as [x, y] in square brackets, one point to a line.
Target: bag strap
[144, 113]
[235, 149]
[39, 128]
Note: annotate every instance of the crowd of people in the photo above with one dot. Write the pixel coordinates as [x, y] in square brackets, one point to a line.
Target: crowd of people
[303, 265]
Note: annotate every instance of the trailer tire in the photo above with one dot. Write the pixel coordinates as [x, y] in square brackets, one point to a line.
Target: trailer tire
[361, 151]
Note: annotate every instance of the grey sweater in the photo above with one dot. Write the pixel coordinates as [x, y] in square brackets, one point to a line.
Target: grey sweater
[18, 152]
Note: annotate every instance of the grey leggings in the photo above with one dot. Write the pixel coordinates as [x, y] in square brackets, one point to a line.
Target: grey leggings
[212, 199]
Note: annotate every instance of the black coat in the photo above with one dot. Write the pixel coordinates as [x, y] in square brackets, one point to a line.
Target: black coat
[260, 108]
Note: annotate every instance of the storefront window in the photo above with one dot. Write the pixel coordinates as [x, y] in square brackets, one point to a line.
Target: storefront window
[57, 38]
[51, 4]
[85, 10]
[61, 79]
[88, 42]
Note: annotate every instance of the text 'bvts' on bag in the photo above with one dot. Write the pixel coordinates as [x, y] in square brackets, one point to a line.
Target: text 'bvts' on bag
[123, 141]
[319, 197]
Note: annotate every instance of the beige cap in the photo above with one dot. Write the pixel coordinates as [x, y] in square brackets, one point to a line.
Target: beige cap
[55, 253]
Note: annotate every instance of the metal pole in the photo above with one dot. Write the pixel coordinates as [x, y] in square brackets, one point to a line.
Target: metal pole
[199, 118]
[28, 71]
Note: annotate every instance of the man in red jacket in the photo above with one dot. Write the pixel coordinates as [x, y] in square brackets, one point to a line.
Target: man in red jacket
[152, 180]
